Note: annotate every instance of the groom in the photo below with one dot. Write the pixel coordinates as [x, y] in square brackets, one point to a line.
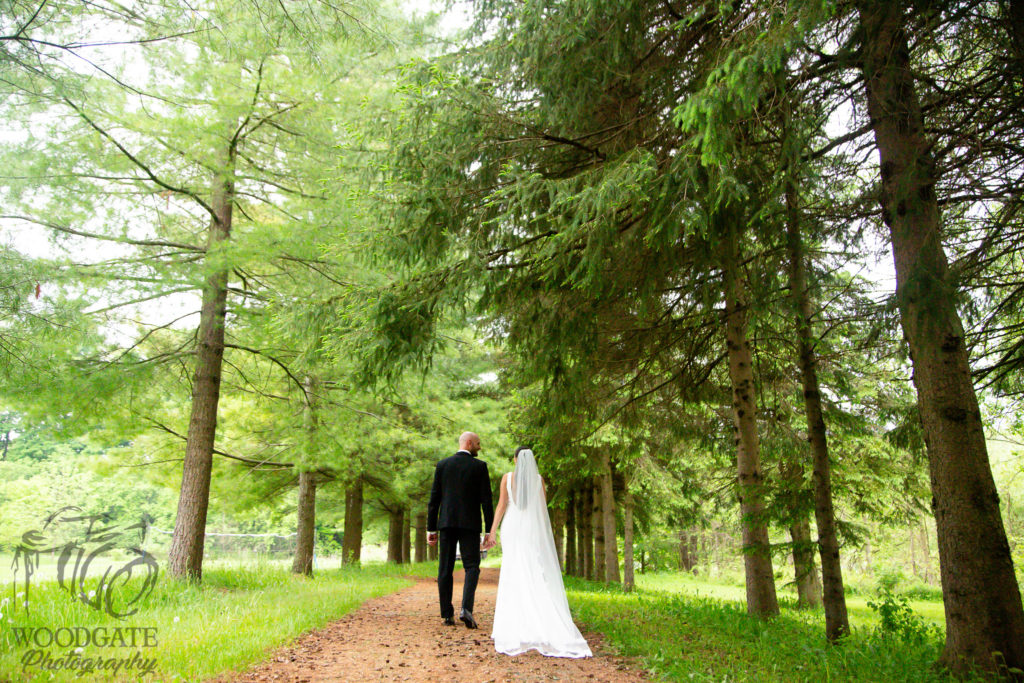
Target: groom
[462, 485]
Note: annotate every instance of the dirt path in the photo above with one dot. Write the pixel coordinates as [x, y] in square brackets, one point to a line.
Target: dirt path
[400, 637]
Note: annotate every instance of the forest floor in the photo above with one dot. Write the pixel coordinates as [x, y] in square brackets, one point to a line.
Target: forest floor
[400, 637]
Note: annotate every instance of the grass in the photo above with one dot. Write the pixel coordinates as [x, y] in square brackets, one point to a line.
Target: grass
[684, 629]
[856, 605]
[680, 627]
[229, 621]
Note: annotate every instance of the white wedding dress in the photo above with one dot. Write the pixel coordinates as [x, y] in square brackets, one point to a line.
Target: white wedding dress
[531, 611]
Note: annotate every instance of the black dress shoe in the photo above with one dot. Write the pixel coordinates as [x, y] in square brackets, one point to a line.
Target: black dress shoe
[449, 621]
[467, 619]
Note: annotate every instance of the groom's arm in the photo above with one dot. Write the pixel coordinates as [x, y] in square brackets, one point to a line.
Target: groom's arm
[485, 498]
[435, 500]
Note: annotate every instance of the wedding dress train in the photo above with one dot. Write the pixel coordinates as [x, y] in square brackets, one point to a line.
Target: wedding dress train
[531, 611]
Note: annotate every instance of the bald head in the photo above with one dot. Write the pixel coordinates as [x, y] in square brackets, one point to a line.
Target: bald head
[469, 441]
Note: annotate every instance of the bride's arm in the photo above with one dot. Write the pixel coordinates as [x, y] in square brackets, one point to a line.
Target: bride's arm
[500, 511]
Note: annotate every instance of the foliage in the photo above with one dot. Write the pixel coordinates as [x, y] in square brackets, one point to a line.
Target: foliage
[897, 621]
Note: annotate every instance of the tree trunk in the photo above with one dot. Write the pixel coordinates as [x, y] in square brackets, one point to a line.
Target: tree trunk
[914, 568]
[583, 540]
[352, 544]
[1015, 22]
[980, 592]
[808, 585]
[421, 536]
[185, 557]
[757, 558]
[558, 530]
[432, 552]
[687, 550]
[717, 542]
[1010, 530]
[611, 543]
[570, 535]
[584, 516]
[306, 513]
[597, 524]
[305, 536]
[837, 622]
[684, 551]
[628, 580]
[927, 551]
[396, 522]
[406, 536]
[704, 539]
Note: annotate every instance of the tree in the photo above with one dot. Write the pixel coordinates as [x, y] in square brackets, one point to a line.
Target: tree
[837, 623]
[353, 537]
[306, 513]
[984, 614]
[259, 149]
[571, 198]
[757, 559]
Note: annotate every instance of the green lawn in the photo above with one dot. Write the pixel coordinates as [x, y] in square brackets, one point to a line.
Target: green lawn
[233, 619]
[684, 629]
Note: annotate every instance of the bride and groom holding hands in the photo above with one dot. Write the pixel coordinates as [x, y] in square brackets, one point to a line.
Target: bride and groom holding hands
[531, 611]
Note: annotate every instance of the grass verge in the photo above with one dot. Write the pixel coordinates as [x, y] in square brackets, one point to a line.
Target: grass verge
[233, 619]
[684, 637]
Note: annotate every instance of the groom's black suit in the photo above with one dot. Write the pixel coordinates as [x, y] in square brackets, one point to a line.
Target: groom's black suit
[462, 486]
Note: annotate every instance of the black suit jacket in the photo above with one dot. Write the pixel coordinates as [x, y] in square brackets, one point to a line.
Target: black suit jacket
[462, 485]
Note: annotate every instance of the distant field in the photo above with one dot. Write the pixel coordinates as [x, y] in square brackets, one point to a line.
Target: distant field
[46, 569]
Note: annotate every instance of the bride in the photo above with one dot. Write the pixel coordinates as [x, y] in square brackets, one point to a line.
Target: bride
[531, 611]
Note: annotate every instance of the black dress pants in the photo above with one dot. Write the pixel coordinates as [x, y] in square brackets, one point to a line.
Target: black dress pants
[469, 544]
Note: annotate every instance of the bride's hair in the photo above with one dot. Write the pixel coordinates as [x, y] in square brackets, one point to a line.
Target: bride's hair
[524, 448]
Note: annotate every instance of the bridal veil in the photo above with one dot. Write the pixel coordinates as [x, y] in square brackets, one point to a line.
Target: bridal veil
[531, 610]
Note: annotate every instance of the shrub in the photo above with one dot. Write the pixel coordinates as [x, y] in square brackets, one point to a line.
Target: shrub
[897, 620]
